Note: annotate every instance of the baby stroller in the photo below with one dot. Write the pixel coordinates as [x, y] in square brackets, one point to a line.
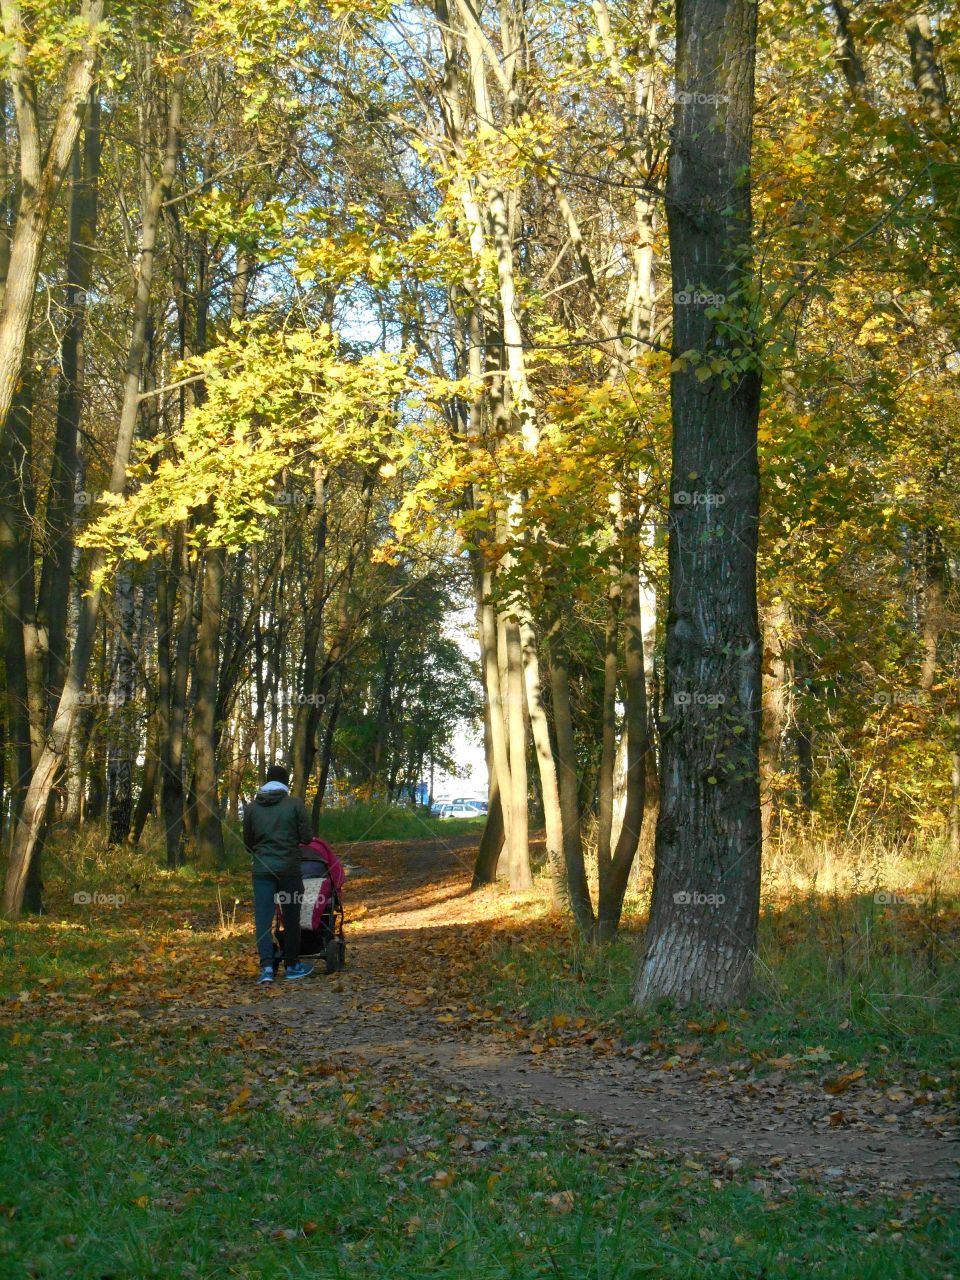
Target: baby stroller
[321, 908]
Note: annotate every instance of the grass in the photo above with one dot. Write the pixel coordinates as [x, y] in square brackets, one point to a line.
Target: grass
[858, 962]
[148, 1155]
[390, 822]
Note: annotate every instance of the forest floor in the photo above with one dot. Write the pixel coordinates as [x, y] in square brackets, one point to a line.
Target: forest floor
[444, 1106]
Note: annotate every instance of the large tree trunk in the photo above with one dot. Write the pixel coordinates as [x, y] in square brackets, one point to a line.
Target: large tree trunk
[35, 804]
[701, 937]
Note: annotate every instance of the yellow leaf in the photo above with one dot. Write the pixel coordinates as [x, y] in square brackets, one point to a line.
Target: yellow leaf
[240, 1101]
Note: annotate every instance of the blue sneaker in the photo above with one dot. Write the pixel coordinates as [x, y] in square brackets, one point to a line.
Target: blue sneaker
[266, 974]
[299, 970]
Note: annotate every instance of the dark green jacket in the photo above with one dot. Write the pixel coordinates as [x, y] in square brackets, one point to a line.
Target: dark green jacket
[275, 825]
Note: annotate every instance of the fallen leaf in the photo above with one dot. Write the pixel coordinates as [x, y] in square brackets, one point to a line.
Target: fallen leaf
[239, 1102]
[561, 1201]
[842, 1083]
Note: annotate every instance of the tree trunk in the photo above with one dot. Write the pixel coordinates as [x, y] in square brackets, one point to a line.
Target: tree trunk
[148, 786]
[518, 852]
[54, 594]
[173, 666]
[42, 170]
[567, 778]
[489, 656]
[120, 752]
[41, 784]
[701, 937]
[492, 837]
[774, 693]
[546, 766]
[615, 873]
[16, 584]
[205, 801]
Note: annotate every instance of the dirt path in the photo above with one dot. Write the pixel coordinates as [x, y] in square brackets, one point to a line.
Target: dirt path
[402, 1010]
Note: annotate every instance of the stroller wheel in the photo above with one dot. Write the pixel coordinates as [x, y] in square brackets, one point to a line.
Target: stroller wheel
[333, 955]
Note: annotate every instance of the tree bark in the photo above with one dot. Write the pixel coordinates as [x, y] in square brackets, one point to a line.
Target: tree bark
[701, 937]
[41, 784]
[205, 801]
[614, 874]
[120, 752]
[41, 173]
[54, 593]
[774, 694]
[568, 784]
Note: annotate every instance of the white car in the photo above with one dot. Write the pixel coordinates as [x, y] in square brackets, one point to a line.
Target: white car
[457, 810]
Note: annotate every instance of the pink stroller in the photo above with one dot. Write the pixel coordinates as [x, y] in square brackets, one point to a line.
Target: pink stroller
[321, 908]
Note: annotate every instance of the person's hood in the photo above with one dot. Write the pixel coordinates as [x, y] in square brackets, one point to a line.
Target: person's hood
[271, 793]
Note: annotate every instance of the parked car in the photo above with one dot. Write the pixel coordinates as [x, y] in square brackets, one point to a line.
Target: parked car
[458, 809]
[466, 807]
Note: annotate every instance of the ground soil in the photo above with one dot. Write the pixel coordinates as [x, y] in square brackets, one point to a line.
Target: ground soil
[401, 1010]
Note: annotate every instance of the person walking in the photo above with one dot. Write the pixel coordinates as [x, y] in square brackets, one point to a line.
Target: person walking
[275, 825]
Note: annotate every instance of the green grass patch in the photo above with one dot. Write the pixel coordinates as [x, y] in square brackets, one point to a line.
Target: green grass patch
[148, 1154]
[360, 822]
[849, 980]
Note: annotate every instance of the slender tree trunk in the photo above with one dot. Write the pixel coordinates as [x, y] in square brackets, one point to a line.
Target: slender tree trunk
[774, 711]
[492, 837]
[42, 171]
[16, 583]
[205, 801]
[567, 778]
[518, 852]
[121, 744]
[701, 937]
[546, 766]
[173, 667]
[35, 803]
[148, 787]
[54, 594]
[615, 873]
[489, 656]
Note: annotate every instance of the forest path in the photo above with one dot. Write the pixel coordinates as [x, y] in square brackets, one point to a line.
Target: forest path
[404, 1009]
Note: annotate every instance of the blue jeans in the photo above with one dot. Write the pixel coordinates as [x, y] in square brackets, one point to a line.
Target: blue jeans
[265, 886]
